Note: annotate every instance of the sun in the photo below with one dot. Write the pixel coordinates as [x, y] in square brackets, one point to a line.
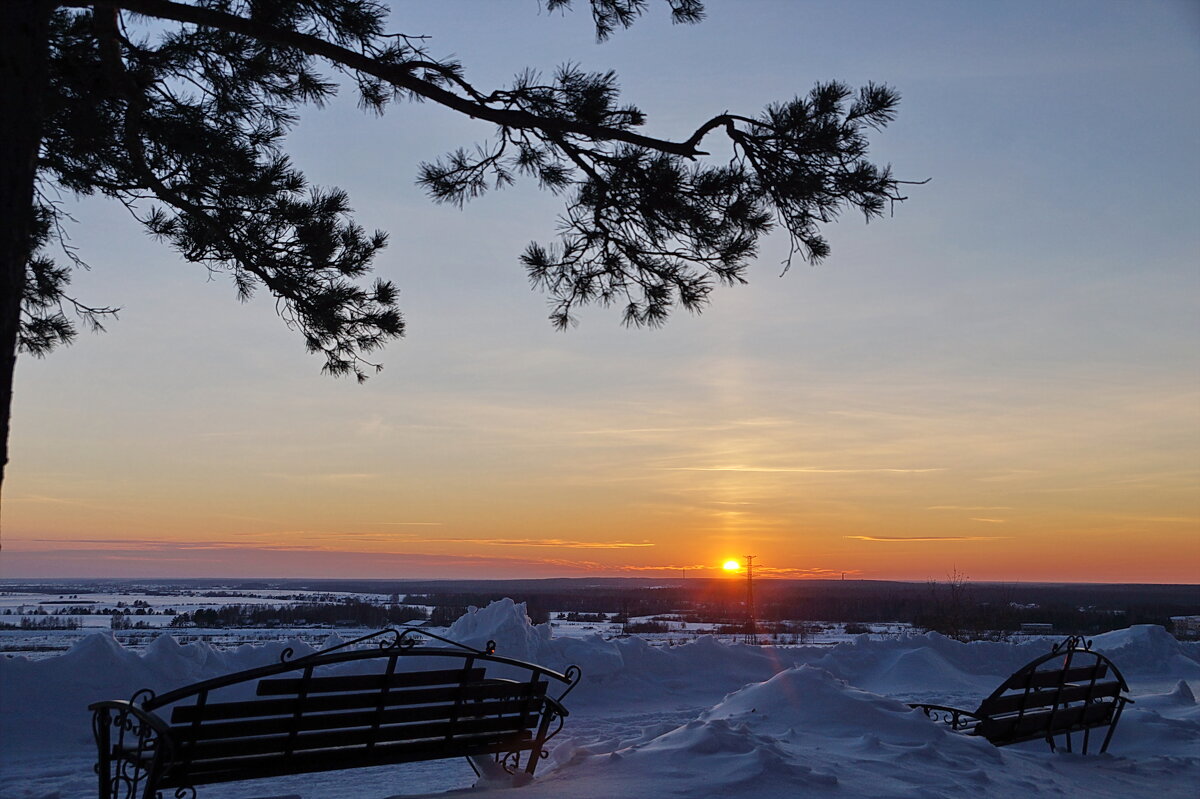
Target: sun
[731, 566]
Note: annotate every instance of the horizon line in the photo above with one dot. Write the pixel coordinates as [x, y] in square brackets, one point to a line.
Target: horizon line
[824, 579]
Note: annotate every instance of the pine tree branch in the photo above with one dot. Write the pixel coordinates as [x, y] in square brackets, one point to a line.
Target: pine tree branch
[399, 75]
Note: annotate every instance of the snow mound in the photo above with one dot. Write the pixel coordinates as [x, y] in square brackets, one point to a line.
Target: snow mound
[58, 690]
[738, 755]
[927, 664]
[705, 719]
[1180, 697]
[628, 667]
[1158, 723]
[1146, 652]
[807, 697]
[701, 758]
[808, 704]
[507, 624]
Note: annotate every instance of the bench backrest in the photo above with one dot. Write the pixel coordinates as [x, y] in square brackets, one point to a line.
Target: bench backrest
[346, 706]
[310, 723]
[342, 709]
[1070, 689]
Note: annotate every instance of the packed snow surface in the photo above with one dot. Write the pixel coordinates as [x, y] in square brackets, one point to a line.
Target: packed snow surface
[705, 719]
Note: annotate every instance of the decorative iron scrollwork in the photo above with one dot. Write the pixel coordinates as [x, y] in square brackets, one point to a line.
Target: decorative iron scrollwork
[556, 718]
[509, 761]
[1073, 642]
[393, 638]
[142, 696]
[952, 717]
[573, 675]
[132, 746]
[391, 642]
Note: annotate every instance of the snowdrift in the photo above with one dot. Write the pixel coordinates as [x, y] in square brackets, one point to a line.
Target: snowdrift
[700, 719]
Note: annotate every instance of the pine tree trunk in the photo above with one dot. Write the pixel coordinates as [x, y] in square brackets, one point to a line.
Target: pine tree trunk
[24, 43]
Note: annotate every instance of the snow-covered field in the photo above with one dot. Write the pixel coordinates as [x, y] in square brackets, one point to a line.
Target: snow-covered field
[155, 607]
[704, 719]
[151, 610]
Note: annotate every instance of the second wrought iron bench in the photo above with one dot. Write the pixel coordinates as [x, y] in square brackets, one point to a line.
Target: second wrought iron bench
[340, 708]
[1072, 689]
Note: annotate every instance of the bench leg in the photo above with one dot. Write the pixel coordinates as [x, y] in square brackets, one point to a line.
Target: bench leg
[535, 753]
[1112, 725]
[100, 728]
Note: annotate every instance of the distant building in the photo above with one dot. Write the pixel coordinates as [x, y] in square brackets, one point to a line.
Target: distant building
[1186, 626]
[1036, 628]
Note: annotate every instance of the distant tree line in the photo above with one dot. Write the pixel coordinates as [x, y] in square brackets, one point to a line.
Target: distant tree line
[137, 608]
[43, 622]
[351, 611]
[954, 606]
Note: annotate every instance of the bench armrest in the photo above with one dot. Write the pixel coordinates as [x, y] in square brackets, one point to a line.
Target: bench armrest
[124, 708]
[556, 707]
[134, 747]
[129, 718]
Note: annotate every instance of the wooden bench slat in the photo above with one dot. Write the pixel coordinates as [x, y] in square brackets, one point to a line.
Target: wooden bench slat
[304, 744]
[488, 689]
[1015, 702]
[367, 682]
[1050, 678]
[1013, 729]
[246, 768]
[358, 718]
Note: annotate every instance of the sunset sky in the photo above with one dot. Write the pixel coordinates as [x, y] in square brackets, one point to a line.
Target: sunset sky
[1002, 379]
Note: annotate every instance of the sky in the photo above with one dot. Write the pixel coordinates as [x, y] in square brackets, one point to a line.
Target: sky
[999, 380]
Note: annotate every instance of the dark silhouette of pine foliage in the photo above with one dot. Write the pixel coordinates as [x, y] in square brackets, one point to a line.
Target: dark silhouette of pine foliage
[179, 109]
[186, 127]
[187, 131]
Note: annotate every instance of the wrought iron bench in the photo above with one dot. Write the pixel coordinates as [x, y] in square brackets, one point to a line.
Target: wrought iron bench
[1070, 690]
[340, 708]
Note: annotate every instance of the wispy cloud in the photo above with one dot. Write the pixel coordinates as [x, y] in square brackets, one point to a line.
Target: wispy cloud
[45, 499]
[159, 545]
[329, 477]
[990, 521]
[634, 431]
[892, 539]
[969, 507]
[704, 569]
[547, 542]
[797, 469]
[1164, 519]
[784, 572]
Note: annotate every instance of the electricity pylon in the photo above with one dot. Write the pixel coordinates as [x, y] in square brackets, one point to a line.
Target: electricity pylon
[751, 636]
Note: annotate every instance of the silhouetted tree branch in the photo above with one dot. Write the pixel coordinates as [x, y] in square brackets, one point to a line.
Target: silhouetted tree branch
[178, 110]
